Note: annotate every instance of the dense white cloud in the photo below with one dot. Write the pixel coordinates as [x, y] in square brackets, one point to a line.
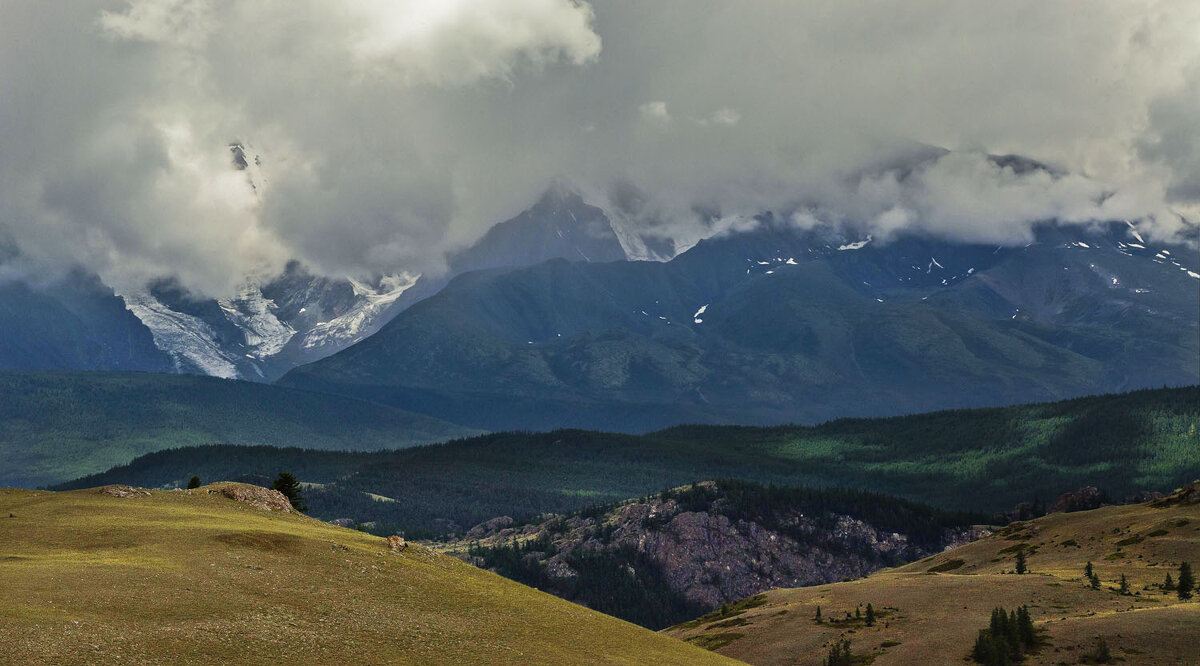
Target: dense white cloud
[390, 131]
[457, 42]
[655, 112]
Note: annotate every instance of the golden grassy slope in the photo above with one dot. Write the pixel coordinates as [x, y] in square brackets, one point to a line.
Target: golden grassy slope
[933, 618]
[192, 577]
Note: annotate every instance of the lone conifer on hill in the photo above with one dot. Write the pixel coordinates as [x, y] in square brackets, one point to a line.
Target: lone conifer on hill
[1186, 583]
[290, 487]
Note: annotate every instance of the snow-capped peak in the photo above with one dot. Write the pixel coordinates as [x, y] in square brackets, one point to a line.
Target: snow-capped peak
[857, 245]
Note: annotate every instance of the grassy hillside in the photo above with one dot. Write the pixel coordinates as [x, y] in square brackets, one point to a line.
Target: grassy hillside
[931, 611]
[56, 426]
[193, 577]
[979, 460]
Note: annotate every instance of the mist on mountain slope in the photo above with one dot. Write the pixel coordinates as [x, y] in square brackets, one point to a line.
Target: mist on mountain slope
[392, 133]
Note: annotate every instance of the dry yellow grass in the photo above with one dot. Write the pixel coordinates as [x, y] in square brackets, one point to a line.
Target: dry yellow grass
[933, 618]
[192, 577]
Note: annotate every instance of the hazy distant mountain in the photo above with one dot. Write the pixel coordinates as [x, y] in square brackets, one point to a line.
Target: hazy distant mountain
[559, 225]
[59, 425]
[781, 325]
[75, 323]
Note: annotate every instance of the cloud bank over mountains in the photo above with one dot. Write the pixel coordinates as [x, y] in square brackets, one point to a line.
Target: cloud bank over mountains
[391, 131]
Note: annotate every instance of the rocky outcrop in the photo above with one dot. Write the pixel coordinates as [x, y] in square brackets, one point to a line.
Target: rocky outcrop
[713, 550]
[396, 544]
[256, 496]
[1084, 499]
[1189, 494]
[123, 491]
[488, 527]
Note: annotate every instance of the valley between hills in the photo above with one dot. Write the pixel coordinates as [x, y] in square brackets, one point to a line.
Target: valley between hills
[930, 611]
[724, 538]
[230, 572]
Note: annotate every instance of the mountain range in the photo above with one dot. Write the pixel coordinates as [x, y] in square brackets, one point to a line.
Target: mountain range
[783, 325]
[272, 323]
[568, 315]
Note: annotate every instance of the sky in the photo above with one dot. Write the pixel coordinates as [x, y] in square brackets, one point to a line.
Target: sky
[390, 132]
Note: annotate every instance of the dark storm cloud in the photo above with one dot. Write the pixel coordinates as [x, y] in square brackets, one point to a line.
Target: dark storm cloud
[388, 132]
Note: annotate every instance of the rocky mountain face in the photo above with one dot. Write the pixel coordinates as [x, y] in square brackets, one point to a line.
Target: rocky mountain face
[273, 325]
[266, 328]
[782, 325]
[694, 548]
[559, 225]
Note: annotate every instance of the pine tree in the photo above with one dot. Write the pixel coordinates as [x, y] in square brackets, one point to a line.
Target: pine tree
[1008, 636]
[870, 615]
[1095, 581]
[1102, 655]
[1186, 582]
[999, 619]
[193, 482]
[1124, 588]
[839, 654]
[990, 651]
[1025, 627]
[818, 617]
[290, 487]
[1021, 568]
[1012, 636]
[857, 613]
[1088, 571]
[1168, 585]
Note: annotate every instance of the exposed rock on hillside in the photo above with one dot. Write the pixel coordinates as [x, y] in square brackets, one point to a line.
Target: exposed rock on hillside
[710, 544]
[937, 606]
[1084, 499]
[1189, 494]
[257, 497]
[124, 491]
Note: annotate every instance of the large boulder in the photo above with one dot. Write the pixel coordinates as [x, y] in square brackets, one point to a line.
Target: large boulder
[1084, 499]
[256, 496]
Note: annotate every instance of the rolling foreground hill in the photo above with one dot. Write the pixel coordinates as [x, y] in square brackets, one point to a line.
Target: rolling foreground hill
[931, 611]
[120, 575]
[56, 426]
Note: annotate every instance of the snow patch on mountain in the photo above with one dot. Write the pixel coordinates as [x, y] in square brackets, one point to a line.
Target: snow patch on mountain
[351, 325]
[254, 314]
[634, 245]
[857, 245]
[187, 339]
